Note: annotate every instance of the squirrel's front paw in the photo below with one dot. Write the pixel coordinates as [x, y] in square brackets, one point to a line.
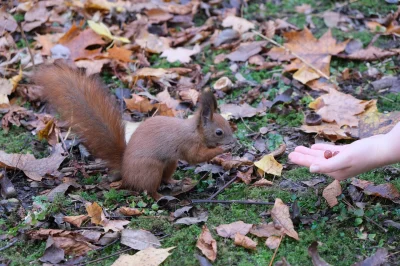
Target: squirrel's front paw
[227, 147]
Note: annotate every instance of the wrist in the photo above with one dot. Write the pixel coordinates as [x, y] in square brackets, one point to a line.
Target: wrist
[391, 143]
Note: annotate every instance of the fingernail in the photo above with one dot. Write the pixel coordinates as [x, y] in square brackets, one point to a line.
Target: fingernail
[314, 169]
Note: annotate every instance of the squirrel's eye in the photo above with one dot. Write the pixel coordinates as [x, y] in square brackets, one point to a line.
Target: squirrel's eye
[219, 132]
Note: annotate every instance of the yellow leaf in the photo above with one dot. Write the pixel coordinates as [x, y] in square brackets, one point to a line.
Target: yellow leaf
[16, 79]
[103, 31]
[269, 165]
[147, 257]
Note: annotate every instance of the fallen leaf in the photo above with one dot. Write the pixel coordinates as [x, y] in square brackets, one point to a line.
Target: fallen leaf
[316, 259]
[200, 218]
[331, 192]
[207, 244]
[128, 211]
[165, 97]
[95, 212]
[114, 225]
[245, 176]
[229, 230]
[387, 190]
[262, 183]
[281, 216]
[304, 9]
[139, 239]
[152, 43]
[92, 66]
[227, 161]
[147, 257]
[76, 220]
[244, 241]
[180, 54]
[269, 165]
[371, 53]
[332, 19]
[103, 31]
[273, 242]
[246, 50]
[52, 253]
[225, 36]
[157, 15]
[237, 111]
[317, 53]
[266, 230]
[239, 24]
[60, 189]
[321, 84]
[331, 131]
[339, 107]
[33, 168]
[190, 95]
[378, 258]
[119, 53]
[313, 182]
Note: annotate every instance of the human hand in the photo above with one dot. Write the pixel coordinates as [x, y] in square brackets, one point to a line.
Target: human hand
[352, 159]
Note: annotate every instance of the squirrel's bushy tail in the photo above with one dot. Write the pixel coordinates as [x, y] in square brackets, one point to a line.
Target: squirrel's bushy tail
[87, 107]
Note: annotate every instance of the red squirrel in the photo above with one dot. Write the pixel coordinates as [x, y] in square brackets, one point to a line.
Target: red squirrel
[152, 153]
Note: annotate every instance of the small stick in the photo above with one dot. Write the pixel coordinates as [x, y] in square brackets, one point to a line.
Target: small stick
[27, 43]
[200, 201]
[9, 244]
[222, 188]
[246, 125]
[99, 166]
[276, 251]
[294, 54]
[366, 217]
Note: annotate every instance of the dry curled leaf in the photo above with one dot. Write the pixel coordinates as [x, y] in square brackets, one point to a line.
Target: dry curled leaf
[281, 216]
[316, 259]
[128, 211]
[139, 239]
[245, 177]
[207, 244]
[387, 190]
[190, 95]
[371, 53]
[245, 51]
[331, 192]
[244, 241]
[237, 111]
[266, 230]
[239, 24]
[262, 183]
[229, 230]
[180, 54]
[75, 220]
[331, 131]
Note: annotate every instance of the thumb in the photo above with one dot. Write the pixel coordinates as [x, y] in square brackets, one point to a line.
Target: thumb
[330, 165]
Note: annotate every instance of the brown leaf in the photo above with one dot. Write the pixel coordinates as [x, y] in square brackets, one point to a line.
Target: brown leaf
[246, 50]
[387, 190]
[316, 52]
[239, 24]
[245, 176]
[92, 66]
[262, 183]
[190, 95]
[331, 131]
[339, 107]
[371, 53]
[378, 258]
[331, 192]
[95, 212]
[75, 220]
[52, 253]
[304, 9]
[321, 84]
[146, 257]
[152, 43]
[227, 161]
[266, 230]
[316, 259]
[165, 97]
[77, 41]
[47, 41]
[207, 244]
[139, 239]
[119, 53]
[7, 21]
[229, 230]
[128, 211]
[244, 241]
[273, 242]
[114, 225]
[157, 15]
[33, 168]
[281, 216]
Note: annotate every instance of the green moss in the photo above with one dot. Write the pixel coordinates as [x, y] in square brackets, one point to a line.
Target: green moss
[19, 17]
[371, 7]
[364, 36]
[389, 102]
[24, 252]
[291, 119]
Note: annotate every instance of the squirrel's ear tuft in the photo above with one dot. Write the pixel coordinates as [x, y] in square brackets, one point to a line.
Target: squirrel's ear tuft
[208, 106]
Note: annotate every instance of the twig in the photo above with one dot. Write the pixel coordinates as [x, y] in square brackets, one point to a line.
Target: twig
[27, 43]
[386, 98]
[106, 257]
[222, 188]
[99, 166]
[246, 125]
[200, 201]
[276, 251]
[296, 55]
[9, 244]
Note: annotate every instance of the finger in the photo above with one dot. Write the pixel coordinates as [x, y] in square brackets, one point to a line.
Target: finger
[336, 163]
[308, 151]
[303, 159]
[324, 147]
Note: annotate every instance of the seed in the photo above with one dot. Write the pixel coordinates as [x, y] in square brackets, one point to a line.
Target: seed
[335, 153]
[327, 154]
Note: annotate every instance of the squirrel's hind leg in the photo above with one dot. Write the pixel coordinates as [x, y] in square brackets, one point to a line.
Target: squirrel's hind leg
[143, 175]
[169, 170]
